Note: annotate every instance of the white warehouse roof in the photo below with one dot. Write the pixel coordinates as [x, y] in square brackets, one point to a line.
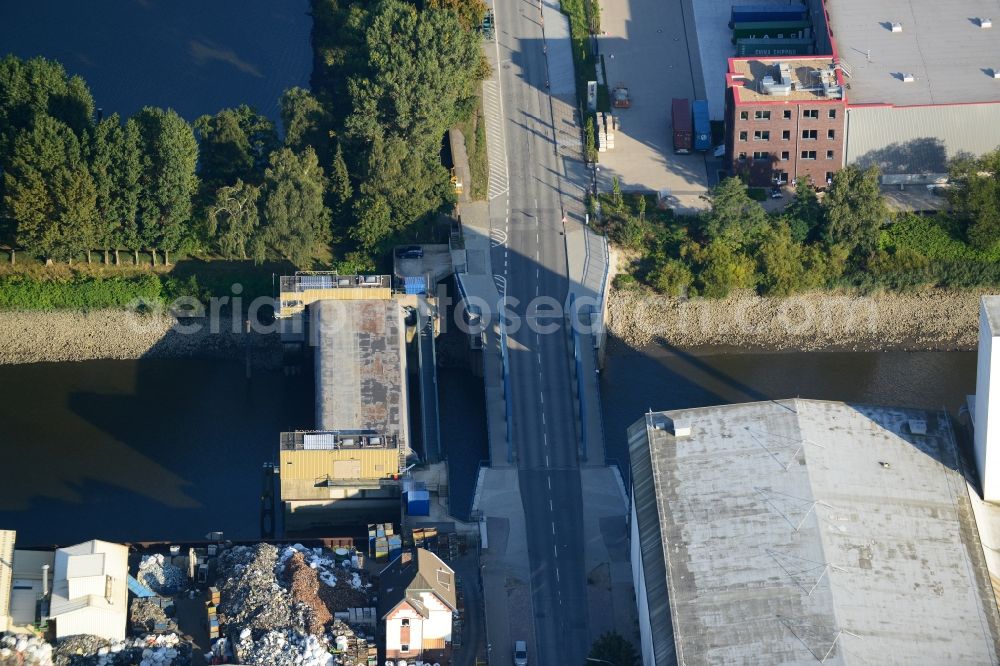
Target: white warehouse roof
[90, 590]
[804, 531]
[941, 44]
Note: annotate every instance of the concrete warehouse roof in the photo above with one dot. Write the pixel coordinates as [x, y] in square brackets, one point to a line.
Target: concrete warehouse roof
[802, 531]
[360, 381]
[941, 45]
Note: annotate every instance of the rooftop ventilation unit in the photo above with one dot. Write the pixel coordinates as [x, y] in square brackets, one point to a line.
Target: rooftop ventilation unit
[918, 427]
[996, 73]
[783, 87]
[985, 23]
[682, 428]
[909, 78]
[897, 27]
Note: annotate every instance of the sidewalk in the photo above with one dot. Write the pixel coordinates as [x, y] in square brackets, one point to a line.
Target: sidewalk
[506, 569]
[610, 594]
[477, 283]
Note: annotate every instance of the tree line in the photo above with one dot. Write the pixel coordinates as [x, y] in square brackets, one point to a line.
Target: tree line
[846, 237]
[358, 162]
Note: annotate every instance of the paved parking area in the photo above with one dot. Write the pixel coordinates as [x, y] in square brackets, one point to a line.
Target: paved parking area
[650, 46]
[715, 46]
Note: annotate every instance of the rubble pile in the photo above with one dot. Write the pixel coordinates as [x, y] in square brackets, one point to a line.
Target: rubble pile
[348, 591]
[283, 648]
[24, 651]
[159, 575]
[153, 650]
[252, 597]
[149, 617]
[303, 582]
[325, 566]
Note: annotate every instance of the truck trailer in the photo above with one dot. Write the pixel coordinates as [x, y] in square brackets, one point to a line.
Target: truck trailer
[681, 121]
[702, 125]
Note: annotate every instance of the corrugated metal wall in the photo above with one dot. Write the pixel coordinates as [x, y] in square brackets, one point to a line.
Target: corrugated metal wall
[919, 139]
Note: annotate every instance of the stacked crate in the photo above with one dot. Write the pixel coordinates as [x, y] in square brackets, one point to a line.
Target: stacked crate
[606, 126]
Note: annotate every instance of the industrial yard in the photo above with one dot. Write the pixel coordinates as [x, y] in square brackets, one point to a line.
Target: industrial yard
[221, 603]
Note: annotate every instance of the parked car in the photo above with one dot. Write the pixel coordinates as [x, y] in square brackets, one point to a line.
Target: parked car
[520, 653]
[410, 252]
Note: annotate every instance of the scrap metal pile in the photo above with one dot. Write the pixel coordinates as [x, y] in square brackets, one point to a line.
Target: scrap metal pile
[160, 576]
[154, 650]
[274, 609]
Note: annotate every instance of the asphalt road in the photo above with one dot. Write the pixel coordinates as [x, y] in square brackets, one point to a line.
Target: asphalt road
[533, 262]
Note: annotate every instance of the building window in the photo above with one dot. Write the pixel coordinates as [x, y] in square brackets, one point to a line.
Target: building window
[744, 115]
[808, 154]
[784, 156]
[742, 157]
[762, 135]
[786, 135]
[809, 134]
[405, 621]
[743, 136]
[810, 113]
[761, 155]
[404, 648]
[831, 134]
[829, 154]
[787, 114]
[829, 177]
[761, 115]
[832, 113]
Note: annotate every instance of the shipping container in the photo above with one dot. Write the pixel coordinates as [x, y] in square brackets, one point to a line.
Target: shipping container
[772, 30]
[681, 120]
[762, 13]
[415, 285]
[760, 48]
[702, 125]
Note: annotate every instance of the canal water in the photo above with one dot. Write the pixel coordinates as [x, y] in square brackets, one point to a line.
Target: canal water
[634, 381]
[174, 449]
[194, 56]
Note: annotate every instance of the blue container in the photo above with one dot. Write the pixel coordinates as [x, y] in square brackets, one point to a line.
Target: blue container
[415, 285]
[759, 13]
[418, 503]
[702, 126]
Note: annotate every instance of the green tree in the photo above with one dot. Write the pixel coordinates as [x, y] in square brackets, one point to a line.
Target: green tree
[734, 217]
[234, 145]
[671, 277]
[975, 197]
[804, 212]
[305, 121]
[168, 181]
[340, 181]
[613, 648]
[782, 269]
[35, 87]
[374, 221]
[116, 165]
[724, 268]
[470, 12]
[234, 221]
[854, 210]
[49, 191]
[420, 79]
[295, 220]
